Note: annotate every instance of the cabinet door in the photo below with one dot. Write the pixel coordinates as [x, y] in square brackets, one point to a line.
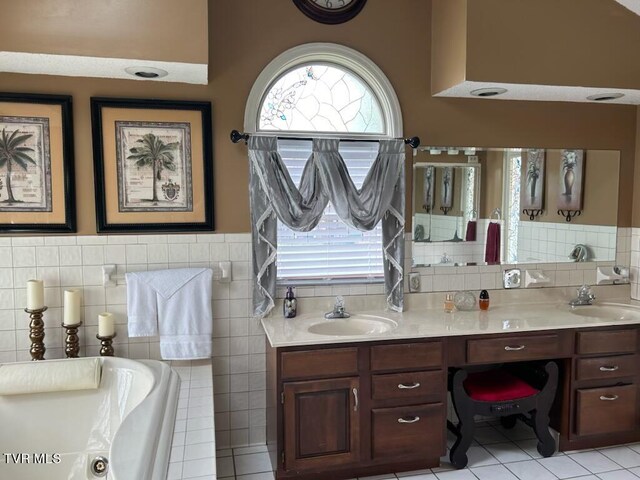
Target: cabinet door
[321, 423]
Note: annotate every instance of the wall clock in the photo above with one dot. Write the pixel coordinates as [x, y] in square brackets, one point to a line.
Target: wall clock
[330, 11]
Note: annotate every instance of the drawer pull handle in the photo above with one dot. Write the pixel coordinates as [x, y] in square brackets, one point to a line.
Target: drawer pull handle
[609, 369]
[609, 398]
[509, 348]
[355, 399]
[409, 419]
[406, 386]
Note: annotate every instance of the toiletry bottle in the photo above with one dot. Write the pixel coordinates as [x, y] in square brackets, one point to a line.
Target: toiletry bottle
[449, 305]
[290, 305]
[484, 300]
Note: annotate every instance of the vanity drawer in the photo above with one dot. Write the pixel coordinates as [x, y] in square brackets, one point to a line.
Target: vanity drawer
[329, 362]
[424, 386]
[416, 431]
[406, 356]
[606, 410]
[606, 367]
[512, 349]
[608, 341]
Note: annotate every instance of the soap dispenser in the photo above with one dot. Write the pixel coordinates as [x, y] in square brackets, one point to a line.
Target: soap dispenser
[290, 305]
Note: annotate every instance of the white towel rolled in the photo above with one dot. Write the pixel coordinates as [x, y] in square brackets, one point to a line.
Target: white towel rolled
[50, 376]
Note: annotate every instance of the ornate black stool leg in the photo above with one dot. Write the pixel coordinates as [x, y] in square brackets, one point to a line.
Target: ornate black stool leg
[466, 425]
[546, 444]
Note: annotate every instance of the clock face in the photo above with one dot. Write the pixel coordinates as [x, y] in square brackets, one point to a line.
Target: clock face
[332, 4]
[330, 11]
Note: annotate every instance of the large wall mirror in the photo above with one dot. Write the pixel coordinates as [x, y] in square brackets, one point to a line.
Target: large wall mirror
[477, 206]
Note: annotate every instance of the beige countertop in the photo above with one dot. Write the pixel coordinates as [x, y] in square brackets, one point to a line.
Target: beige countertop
[434, 322]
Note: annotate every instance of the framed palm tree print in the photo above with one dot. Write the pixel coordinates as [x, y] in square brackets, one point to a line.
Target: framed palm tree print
[36, 164]
[153, 165]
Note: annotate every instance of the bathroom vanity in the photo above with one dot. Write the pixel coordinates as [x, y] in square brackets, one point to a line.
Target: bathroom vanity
[339, 407]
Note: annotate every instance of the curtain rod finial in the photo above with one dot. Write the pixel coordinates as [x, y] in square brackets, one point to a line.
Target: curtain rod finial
[236, 136]
[413, 142]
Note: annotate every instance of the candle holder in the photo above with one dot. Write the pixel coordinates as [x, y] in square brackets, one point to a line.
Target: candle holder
[72, 342]
[106, 350]
[36, 333]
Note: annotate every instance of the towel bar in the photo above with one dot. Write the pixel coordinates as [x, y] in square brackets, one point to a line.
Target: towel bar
[222, 272]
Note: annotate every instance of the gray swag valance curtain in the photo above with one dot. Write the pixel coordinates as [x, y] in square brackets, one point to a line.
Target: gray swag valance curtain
[325, 178]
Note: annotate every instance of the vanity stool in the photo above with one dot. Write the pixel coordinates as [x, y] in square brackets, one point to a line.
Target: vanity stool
[512, 392]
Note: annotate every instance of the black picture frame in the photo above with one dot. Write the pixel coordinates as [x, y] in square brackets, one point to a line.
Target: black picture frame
[330, 16]
[103, 224]
[68, 223]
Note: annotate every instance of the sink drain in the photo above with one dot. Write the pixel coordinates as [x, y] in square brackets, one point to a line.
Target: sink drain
[100, 466]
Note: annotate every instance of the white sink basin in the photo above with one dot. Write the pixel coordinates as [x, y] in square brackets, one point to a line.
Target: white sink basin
[608, 311]
[354, 325]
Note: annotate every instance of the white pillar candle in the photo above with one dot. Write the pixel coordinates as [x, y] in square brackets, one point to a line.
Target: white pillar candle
[35, 294]
[72, 306]
[106, 326]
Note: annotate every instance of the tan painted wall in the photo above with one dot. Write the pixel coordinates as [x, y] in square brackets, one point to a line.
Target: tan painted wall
[449, 39]
[599, 194]
[242, 42]
[563, 42]
[166, 30]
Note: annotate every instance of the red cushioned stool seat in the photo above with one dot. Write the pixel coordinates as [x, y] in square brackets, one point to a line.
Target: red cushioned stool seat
[497, 386]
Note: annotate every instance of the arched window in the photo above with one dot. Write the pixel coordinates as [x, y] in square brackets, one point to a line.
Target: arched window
[321, 98]
[317, 90]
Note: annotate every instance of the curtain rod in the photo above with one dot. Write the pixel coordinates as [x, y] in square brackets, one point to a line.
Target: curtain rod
[236, 136]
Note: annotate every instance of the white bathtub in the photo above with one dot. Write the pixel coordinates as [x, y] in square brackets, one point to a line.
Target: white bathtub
[129, 420]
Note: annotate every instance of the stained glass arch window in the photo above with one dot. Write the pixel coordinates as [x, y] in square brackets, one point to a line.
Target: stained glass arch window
[323, 88]
[321, 98]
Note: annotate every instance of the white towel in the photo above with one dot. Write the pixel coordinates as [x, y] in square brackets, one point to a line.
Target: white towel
[176, 304]
[50, 376]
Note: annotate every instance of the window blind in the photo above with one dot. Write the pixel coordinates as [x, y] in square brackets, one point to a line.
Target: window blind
[332, 251]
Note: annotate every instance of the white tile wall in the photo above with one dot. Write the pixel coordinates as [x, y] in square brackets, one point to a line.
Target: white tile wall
[544, 241]
[450, 278]
[238, 341]
[432, 253]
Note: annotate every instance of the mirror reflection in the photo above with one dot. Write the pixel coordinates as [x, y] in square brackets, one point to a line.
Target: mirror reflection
[474, 206]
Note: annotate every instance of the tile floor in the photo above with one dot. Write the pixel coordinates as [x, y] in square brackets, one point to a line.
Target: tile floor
[497, 454]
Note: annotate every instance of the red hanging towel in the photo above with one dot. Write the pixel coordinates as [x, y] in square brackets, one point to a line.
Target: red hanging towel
[471, 231]
[492, 250]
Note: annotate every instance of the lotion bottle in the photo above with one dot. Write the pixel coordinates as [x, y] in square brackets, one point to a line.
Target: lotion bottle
[290, 304]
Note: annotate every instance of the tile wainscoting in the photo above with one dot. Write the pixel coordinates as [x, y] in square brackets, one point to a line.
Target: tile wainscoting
[239, 342]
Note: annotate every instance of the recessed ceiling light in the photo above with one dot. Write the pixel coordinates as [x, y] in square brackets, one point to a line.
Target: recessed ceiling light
[452, 151]
[146, 72]
[488, 92]
[603, 97]
[435, 151]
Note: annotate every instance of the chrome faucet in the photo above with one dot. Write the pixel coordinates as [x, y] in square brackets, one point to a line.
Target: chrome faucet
[585, 297]
[338, 310]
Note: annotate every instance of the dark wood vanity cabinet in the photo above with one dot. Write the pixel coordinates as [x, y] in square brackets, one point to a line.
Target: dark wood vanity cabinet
[377, 407]
[357, 410]
[604, 388]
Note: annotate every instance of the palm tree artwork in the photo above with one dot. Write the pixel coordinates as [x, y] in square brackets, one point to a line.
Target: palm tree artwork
[14, 152]
[154, 153]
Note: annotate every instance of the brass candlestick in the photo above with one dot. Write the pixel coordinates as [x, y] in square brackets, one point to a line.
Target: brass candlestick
[36, 333]
[72, 342]
[107, 348]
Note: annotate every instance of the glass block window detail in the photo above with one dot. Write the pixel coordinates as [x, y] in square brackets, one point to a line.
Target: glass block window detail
[514, 173]
[321, 98]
